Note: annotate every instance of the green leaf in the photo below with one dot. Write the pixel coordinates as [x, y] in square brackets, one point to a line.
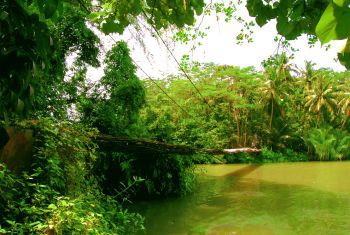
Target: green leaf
[253, 7]
[326, 27]
[35, 223]
[94, 16]
[11, 222]
[52, 206]
[284, 27]
[342, 14]
[334, 23]
[30, 90]
[64, 203]
[109, 26]
[340, 3]
[261, 20]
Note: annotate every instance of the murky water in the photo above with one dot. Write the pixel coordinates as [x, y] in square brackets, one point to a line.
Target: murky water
[294, 198]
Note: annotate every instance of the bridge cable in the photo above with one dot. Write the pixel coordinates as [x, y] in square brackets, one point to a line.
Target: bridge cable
[149, 77]
[177, 62]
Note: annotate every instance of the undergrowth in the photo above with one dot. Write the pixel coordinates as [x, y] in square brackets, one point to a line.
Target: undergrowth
[267, 156]
[162, 174]
[59, 193]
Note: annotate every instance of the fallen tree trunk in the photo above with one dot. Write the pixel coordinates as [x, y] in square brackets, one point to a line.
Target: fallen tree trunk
[232, 151]
[123, 144]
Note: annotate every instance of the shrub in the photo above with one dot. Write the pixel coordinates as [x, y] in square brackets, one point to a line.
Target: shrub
[202, 158]
[288, 155]
[266, 156]
[328, 143]
[162, 174]
[59, 194]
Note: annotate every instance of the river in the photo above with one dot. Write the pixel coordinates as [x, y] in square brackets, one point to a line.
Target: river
[287, 198]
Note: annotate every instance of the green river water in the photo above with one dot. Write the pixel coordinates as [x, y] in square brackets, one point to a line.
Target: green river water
[288, 198]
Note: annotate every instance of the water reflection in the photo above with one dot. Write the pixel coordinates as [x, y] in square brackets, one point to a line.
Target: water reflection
[257, 200]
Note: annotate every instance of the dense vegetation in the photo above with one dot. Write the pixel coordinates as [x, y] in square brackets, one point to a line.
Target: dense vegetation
[59, 193]
[280, 108]
[74, 186]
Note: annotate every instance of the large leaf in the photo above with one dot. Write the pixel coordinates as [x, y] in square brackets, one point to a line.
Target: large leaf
[326, 27]
[253, 7]
[334, 23]
[30, 91]
[342, 14]
[261, 20]
[340, 2]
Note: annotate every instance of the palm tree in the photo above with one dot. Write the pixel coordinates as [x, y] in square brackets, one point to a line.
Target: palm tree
[323, 142]
[344, 102]
[321, 98]
[329, 143]
[273, 91]
[272, 98]
[308, 75]
[278, 85]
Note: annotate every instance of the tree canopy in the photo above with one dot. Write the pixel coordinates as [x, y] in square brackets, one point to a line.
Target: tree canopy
[38, 35]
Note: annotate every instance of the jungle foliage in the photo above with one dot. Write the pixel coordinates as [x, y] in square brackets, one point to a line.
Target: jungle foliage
[38, 35]
[113, 104]
[281, 108]
[34, 48]
[59, 193]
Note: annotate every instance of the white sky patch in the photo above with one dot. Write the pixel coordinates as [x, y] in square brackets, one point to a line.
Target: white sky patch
[219, 47]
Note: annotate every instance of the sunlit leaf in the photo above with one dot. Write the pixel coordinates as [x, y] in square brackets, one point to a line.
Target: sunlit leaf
[334, 23]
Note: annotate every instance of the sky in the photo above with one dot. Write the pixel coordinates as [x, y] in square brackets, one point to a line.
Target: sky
[219, 47]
